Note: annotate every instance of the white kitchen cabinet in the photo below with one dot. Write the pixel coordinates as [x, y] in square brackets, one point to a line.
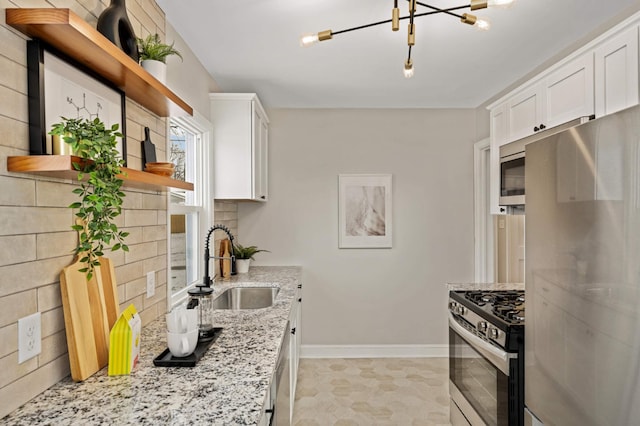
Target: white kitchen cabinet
[499, 131]
[524, 112]
[616, 72]
[556, 98]
[240, 141]
[568, 92]
[296, 338]
[267, 409]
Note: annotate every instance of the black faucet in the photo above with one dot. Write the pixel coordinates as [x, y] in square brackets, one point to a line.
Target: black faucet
[207, 281]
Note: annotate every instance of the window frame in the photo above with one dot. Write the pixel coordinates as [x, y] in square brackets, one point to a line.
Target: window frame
[203, 180]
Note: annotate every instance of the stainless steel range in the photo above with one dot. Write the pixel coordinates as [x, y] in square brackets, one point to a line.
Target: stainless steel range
[486, 357]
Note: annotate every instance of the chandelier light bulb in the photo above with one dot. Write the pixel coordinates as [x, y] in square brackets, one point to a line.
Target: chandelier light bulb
[482, 24]
[502, 4]
[307, 40]
[408, 69]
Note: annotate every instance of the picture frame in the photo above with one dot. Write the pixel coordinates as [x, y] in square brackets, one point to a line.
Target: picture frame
[59, 87]
[365, 211]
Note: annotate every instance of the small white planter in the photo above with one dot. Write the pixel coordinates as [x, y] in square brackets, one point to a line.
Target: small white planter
[242, 265]
[157, 69]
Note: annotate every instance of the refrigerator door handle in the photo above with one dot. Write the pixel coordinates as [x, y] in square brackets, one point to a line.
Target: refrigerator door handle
[495, 355]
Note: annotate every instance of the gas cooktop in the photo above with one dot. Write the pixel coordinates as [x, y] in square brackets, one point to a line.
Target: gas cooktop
[497, 315]
[507, 305]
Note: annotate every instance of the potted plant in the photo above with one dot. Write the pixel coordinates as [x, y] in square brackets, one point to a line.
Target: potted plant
[153, 55]
[244, 256]
[100, 196]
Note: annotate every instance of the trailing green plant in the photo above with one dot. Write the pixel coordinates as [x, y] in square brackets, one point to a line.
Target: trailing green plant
[100, 195]
[241, 252]
[151, 47]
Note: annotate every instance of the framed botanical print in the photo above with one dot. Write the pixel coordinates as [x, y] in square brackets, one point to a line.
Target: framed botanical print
[59, 88]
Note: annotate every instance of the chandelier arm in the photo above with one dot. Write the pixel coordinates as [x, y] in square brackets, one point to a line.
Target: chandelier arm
[402, 18]
[448, 10]
[373, 24]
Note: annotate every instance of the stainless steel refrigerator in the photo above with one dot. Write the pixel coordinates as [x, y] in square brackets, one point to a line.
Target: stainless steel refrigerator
[582, 331]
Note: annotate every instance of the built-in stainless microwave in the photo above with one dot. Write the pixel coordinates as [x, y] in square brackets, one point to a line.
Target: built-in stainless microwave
[511, 175]
[512, 160]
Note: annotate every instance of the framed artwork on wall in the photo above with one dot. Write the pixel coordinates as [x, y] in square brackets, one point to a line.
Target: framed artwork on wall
[364, 211]
[58, 88]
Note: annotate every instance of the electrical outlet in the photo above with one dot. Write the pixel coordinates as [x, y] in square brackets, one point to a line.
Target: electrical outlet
[151, 284]
[29, 337]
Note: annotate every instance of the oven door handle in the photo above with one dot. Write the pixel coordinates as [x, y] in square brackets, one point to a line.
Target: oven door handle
[495, 355]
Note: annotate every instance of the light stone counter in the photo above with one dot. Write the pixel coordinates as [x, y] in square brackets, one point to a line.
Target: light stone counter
[227, 387]
[485, 286]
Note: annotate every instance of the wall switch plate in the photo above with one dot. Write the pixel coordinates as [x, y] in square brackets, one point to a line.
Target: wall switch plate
[29, 337]
[151, 284]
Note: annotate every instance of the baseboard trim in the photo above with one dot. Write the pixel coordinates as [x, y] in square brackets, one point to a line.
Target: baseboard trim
[374, 351]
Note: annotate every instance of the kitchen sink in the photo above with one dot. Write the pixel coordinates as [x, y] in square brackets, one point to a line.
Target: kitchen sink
[246, 298]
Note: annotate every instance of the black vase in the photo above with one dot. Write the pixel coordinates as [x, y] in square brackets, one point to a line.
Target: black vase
[114, 24]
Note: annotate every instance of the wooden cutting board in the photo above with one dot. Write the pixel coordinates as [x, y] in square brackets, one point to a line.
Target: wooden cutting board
[107, 276]
[90, 310]
[85, 322]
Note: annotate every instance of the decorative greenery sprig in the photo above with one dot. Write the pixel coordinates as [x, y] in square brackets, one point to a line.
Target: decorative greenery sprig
[152, 47]
[241, 252]
[100, 196]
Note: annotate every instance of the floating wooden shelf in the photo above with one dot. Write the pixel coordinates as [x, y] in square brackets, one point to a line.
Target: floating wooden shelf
[73, 36]
[61, 167]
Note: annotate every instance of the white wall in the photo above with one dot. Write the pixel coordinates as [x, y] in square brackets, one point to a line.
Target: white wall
[369, 296]
[188, 78]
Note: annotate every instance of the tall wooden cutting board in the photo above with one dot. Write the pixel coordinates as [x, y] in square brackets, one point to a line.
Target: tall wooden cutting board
[85, 322]
[90, 310]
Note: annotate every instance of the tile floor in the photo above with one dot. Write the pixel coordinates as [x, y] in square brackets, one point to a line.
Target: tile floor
[381, 391]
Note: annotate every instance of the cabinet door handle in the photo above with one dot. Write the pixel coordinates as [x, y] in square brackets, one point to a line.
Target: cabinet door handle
[293, 330]
[535, 129]
[300, 300]
[264, 197]
[299, 285]
[542, 127]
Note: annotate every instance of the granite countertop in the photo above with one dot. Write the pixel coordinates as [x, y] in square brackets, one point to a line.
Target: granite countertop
[227, 387]
[485, 286]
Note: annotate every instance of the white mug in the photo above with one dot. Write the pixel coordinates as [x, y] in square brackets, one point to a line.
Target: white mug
[182, 320]
[182, 344]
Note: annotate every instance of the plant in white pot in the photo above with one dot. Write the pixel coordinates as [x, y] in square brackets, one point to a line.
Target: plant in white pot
[244, 256]
[153, 56]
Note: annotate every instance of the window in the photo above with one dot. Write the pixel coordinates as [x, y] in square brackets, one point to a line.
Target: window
[189, 211]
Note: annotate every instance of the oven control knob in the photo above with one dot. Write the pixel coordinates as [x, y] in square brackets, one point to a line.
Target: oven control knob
[494, 333]
[453, 306]
[461, 310]
[482, 326]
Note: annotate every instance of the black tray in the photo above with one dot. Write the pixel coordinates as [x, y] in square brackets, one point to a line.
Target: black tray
[165, 359]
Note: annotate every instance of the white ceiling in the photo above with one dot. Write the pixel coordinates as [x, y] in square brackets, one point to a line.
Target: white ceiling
[253, 46]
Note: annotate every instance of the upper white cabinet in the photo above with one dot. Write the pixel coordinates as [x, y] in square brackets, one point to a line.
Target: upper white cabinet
[568, 92]
[240, 140]
[598, 79]
[561, 96]
[524, 113]
[616, 72]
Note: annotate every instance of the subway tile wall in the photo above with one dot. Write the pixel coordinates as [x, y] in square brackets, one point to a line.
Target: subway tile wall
[225, 213]
[35, 236]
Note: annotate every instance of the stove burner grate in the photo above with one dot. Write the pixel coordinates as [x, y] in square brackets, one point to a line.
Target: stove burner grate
[505, 304]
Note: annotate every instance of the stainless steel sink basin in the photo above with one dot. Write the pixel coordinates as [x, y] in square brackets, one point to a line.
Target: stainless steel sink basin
[246, 298]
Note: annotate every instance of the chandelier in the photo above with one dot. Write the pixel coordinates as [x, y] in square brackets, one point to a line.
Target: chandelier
[465, 18]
